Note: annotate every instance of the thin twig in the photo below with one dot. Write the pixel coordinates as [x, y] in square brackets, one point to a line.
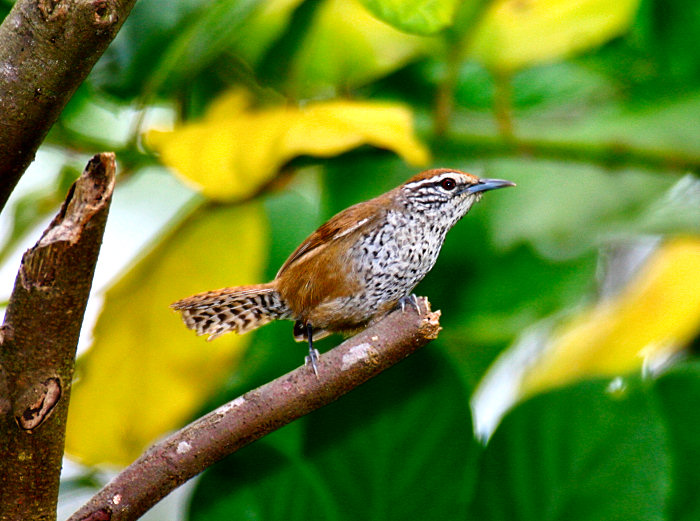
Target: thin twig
[503, 105]
[608, 153]
[189, 451]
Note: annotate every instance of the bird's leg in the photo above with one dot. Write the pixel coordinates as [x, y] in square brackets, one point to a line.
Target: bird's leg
[411, 300]
[313, 353]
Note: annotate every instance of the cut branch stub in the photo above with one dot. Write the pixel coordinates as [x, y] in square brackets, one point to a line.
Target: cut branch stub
[38, 342]
[83, 201]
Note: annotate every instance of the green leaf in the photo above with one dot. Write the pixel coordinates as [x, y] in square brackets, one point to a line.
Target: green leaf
[496, 297]
[5, 7]
[581, 453]
[401, 447]
[414, 16]
[398, 447]
[661, 52]
[346, 47]
[262, 30]
[674, 40]
[679, 393]
[606, 203]
[165, 46]
[199, 42]
[260, 482]
[146, 34]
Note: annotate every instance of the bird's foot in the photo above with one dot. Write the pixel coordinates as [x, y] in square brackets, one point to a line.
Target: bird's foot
[313, 353]
[410, 300]
[312, 359]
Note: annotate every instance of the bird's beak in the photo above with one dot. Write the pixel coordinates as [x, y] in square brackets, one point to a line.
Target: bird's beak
[488, 184]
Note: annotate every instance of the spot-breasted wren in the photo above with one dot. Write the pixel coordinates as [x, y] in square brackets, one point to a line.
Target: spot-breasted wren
[354, 269]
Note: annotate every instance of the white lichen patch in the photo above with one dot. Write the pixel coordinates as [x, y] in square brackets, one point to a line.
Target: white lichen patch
[359, 353]
[183, 447]
[228, 407]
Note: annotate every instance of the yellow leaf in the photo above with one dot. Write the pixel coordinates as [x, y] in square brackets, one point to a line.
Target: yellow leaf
[658, 311]
[236, 149]
[518, 33]
[333, 127]
[146, 374]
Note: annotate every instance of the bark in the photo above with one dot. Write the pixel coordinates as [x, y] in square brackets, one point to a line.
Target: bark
[47, 49]
[39, 339]
[171, 462]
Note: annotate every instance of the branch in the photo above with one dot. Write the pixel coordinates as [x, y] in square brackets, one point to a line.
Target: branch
[38, 342]
[171, 462]
[607, 153]
[47, 49]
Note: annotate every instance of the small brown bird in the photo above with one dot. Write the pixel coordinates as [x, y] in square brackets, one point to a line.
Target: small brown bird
[354, 269]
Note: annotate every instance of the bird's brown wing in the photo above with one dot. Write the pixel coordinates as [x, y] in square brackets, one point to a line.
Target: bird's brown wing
[320, 269]
[345, 224]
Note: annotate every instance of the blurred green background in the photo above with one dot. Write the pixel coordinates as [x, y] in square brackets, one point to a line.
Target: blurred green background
[571, 304]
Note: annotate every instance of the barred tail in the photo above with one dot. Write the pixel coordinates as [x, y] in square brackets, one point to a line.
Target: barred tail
[240, 309]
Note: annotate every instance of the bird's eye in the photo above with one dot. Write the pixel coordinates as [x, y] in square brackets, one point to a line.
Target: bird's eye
[448, 183]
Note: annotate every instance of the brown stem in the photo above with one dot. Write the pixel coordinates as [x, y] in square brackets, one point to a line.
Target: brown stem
[189, 451]
[47, 49]
[503, 105]
[458, 39]
[606, 153]
[444, 100]
[37, 347]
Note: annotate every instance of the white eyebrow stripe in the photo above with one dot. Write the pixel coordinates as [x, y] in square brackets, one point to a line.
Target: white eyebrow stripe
[433, 180]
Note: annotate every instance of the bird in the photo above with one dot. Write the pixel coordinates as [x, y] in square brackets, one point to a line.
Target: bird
[354, 269]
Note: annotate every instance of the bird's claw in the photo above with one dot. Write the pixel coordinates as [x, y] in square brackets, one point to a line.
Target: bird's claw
[312, 358]
[411, 300]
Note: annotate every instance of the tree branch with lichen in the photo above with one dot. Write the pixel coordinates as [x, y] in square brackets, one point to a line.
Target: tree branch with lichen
[39, 339]
[183, 455]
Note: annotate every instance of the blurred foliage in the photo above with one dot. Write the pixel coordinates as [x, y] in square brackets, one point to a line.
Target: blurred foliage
[585, 452]
[578, 278]
[515, 33]
[415, 16]
[656, 314]
[36, 205]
